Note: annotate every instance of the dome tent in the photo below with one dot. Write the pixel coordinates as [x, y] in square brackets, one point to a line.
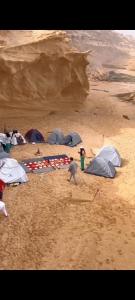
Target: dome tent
[101, 167]
[34, 136]
[56, 137]
[11, 171]
[111, 154]
[72, 139]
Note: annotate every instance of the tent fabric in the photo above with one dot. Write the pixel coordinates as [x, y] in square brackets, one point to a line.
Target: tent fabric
[72, 139]
[4, 154]
[11, 171]
[111, 154]
[34, 136]
[3, 138]
[68, 140]
[101, 167]
[1, 148]
[56, 137]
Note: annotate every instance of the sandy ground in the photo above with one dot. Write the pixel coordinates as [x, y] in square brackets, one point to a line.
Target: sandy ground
[53, 224]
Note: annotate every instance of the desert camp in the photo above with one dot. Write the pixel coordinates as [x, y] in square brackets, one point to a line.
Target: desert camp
[67, 132]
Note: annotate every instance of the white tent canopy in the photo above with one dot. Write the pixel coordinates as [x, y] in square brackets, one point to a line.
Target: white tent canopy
[111, 154]
[11, 171]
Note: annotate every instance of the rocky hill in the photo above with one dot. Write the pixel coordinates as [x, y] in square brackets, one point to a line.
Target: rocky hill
[109, 49]
[40, 66]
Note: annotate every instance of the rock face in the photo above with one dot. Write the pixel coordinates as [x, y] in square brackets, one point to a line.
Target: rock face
[40, 66]
[109, 49]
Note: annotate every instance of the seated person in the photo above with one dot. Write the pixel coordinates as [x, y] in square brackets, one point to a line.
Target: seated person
[17, 138]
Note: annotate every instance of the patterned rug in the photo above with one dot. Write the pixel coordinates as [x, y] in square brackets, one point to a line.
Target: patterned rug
[45, 164]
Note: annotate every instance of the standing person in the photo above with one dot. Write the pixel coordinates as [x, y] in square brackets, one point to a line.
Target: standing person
[72, 169]
[2, 187]
[82, 153]
[7, 145]
[13, 137]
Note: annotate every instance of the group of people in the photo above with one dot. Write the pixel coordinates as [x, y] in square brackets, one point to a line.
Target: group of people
[10, 139]
[73, 165]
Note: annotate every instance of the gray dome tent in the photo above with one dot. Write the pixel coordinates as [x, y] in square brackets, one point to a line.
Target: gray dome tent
[56, 137]
[111, 154]
[101, 167]
[72, 139]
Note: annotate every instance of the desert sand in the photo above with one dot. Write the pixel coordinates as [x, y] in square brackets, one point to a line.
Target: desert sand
[56, 225]
[53, 224]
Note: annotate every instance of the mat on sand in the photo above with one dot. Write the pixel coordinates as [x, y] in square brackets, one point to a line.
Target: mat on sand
[45, 164]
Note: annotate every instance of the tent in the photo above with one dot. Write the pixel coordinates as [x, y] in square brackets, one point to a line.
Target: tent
[3, 138]
[34, 136]
[4, 154]
[56, 137]
[111, 154]
[72, 139]
[11, 171]
[101, 167]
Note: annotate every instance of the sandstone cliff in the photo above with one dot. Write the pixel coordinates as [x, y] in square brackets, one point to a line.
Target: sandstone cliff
[37, 67]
